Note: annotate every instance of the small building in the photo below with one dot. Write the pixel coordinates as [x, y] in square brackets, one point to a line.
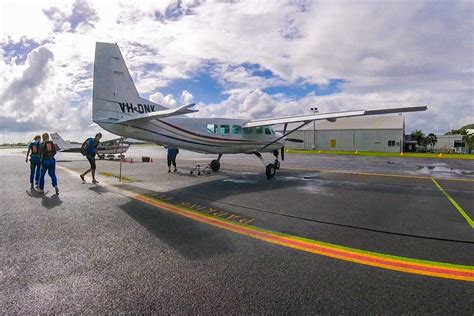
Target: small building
[365, 133]
[449, 143]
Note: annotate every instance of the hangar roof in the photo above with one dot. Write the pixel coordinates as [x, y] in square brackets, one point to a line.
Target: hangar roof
[361, 122]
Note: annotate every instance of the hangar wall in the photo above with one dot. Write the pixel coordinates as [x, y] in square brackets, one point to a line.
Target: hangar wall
[384, 134]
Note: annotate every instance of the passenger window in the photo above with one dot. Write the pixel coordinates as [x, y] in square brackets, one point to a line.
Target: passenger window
[268, 131]
[259, 130]
[236, 129]
[225, 129]
[247, 130]
[211, 128]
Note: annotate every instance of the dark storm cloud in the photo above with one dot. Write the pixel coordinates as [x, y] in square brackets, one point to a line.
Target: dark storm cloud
[12, 125]
[82, 13]
[21, 92]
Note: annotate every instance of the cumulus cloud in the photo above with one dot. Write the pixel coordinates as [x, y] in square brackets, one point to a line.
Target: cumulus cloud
[186, 97]
[81, 14]
[17, 51]
[167, 101]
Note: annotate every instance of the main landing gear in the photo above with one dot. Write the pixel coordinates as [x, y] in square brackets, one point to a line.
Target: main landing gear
[271, 168]
[215, 164]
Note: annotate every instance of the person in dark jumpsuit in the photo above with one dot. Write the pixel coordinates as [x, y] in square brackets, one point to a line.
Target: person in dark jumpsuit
[35, 161]
[90, 152]
[172, 153]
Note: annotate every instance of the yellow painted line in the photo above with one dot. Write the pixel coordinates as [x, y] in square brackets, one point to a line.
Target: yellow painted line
[390, 262]
[455, 204]
[375, 174]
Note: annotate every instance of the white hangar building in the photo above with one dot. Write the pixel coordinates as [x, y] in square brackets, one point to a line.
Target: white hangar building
[365, 133]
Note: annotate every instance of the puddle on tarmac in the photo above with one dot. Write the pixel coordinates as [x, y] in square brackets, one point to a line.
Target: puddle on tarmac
[442, 169]
[239, 181]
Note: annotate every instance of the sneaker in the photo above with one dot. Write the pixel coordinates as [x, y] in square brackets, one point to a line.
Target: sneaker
[95, 181]
[169, 171]
[82, 178]
[40, 191]
[32, 187]
[57, 190]
[175, 170]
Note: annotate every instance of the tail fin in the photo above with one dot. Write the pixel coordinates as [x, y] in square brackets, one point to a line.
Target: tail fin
[114, 94]
[59, 141]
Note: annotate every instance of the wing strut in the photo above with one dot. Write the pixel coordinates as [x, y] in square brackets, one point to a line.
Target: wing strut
[284, 135]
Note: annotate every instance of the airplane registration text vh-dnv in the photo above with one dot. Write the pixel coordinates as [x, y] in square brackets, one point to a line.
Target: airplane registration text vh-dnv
[118, 108]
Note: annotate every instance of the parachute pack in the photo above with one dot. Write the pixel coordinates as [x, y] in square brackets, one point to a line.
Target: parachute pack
[34, 149]
[49, 149]
[85, 146]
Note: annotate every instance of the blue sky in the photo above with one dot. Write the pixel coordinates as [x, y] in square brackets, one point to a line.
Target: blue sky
[206, 87]
[240, 59]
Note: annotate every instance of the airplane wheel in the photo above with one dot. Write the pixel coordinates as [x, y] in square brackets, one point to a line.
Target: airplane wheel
[270, 171]
[215, 165]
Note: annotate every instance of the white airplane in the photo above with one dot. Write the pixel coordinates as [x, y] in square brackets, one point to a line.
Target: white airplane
[118, 108]
[108, 148]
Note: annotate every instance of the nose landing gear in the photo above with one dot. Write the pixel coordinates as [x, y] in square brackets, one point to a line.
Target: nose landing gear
[271, 168]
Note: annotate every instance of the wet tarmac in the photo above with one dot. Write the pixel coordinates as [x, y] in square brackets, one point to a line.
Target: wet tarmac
[329, 234]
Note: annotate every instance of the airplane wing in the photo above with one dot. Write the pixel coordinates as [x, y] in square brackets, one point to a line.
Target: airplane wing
[332, 117]
[185, 109]
[113, 146]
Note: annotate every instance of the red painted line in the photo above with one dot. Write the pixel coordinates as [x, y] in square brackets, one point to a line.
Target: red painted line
[351, 255]
[420, 268]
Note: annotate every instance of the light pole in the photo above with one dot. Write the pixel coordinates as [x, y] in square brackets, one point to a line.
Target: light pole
[314, 110]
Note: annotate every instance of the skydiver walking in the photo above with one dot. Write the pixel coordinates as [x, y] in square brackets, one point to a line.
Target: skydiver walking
[48, 163]
[89, 149]
[172, 153]
[35, 160]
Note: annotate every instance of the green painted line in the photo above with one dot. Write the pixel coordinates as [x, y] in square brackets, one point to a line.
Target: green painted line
[314, 242]
[453, 202]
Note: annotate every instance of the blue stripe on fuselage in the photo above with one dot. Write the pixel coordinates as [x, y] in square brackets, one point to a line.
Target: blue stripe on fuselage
[182, 140]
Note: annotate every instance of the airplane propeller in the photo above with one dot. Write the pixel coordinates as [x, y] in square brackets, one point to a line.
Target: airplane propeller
[282, 153]
[295, 140]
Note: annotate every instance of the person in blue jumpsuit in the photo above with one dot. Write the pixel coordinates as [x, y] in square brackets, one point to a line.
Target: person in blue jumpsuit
[35, 161]
[48, 163]
[172, 153]
[89, 149]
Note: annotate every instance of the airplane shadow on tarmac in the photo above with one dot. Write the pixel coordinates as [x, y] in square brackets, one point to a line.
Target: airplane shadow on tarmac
[192, 239]
[48, 202]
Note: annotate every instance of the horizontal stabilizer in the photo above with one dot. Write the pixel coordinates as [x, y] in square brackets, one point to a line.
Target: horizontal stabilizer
[185, 109]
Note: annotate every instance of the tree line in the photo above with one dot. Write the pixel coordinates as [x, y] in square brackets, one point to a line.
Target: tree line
[431, 139]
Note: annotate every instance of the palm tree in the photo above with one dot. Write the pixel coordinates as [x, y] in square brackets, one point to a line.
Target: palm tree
[432, 139]
[418, 136]
[468, 140]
